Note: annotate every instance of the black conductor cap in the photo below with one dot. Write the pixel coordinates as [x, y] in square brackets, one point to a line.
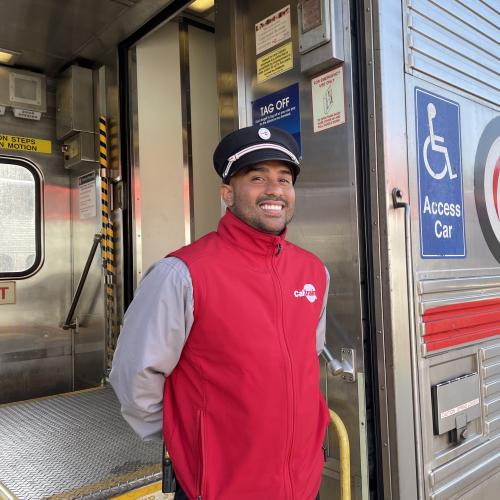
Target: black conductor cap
[251, 145]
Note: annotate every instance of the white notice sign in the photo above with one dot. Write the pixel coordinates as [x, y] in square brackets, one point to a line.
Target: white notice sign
[273, 30]
[87, 196]
[27, 114]
[328, 99]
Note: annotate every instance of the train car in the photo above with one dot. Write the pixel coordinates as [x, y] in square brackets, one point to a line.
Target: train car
[109, 114]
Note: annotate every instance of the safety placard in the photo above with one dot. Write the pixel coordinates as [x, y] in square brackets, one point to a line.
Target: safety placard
[274, 63]
[279, 109]
[7, 292]
[87, 198]
[328, 99]
[19, 143]
[273, 30]
[439, 165]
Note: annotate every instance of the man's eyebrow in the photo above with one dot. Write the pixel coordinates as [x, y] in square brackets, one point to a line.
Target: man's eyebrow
[255, 168]
[258, 168]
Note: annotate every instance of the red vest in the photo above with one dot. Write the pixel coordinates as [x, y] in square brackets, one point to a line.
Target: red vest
[244, 417]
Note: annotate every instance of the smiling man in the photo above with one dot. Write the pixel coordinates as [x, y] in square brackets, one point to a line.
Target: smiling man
[218, 352]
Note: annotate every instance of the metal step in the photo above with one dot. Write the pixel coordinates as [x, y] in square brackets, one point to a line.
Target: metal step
[74, 445]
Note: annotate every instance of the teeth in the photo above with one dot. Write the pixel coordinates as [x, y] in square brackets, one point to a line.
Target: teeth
[272, 207]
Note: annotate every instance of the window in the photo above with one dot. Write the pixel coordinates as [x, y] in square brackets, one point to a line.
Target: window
[20, 218]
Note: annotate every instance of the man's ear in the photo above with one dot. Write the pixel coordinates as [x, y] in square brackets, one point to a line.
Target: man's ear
[226, 193]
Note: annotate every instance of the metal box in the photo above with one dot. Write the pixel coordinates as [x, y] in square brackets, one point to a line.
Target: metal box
[23, 90]
[321, 34]
[74, 102]
[80, 150]
[455, 403]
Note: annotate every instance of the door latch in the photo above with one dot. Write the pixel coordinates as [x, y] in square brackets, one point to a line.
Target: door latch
[345, 367]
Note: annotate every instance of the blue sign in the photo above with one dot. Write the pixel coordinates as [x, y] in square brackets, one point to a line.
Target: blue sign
[441, 200]
[279, 109]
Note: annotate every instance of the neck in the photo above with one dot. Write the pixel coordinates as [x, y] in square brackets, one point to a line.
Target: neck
[241, 234]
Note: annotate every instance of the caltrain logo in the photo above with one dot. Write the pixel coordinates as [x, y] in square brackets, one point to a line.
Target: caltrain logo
[487, 185]
[309, 292]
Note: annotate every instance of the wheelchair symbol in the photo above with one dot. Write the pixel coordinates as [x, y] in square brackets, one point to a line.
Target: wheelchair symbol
[435, 171]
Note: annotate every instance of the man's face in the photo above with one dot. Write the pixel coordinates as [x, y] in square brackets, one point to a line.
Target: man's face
[262, 195]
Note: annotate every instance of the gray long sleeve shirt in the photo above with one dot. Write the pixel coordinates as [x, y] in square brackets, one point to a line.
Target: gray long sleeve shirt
[155, 329]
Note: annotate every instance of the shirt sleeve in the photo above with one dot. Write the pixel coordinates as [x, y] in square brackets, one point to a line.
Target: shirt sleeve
[155, 329]
[321, 329]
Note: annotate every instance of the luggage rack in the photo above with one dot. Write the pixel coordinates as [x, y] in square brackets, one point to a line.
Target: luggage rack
[73, 445]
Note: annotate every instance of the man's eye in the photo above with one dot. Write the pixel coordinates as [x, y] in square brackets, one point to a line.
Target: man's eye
[257, 179]
[286, 181]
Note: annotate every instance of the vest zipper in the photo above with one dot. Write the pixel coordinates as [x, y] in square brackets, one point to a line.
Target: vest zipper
[201, 480]
[289, 359]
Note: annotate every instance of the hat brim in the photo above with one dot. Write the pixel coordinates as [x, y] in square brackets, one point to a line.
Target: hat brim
[260, 156]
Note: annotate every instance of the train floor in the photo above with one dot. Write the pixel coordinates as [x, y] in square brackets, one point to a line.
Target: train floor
[74, 445]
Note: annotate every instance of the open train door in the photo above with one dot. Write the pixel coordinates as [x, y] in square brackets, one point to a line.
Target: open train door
[293, 65]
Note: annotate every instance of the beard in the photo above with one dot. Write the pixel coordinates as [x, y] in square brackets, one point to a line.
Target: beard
[251, 215]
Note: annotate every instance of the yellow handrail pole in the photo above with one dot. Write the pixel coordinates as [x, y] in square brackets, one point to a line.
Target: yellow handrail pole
[345, 456]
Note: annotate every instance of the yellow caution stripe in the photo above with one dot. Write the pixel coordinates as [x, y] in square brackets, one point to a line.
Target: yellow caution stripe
[108, 246]
[149, 492]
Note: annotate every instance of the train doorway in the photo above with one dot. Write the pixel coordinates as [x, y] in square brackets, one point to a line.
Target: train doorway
[174, 117]
[173, 197]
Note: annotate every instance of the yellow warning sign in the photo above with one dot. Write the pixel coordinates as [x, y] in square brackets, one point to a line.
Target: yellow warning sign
[19, 143]
[274, 63]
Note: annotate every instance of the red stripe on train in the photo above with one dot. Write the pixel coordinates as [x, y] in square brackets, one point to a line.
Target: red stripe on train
[456, 324]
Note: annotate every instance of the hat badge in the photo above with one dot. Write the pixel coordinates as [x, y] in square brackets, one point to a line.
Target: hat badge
[264, 133]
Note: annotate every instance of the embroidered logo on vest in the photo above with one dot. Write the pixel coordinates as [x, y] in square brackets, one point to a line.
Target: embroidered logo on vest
[309, 292]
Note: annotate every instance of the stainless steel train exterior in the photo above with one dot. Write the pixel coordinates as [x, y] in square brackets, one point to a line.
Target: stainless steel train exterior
[395, 105]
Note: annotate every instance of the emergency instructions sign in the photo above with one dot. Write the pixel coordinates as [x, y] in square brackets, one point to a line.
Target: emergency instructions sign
[279, 109]
[328, 99]
[442, 230]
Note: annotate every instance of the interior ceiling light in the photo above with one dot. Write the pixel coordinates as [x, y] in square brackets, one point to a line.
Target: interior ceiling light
[8, 56]
[201, 6]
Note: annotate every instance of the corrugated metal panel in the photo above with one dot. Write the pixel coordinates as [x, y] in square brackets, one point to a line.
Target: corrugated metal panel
[462, 308]
[451, 470]
[449, 481]
[457, 42]
[450, 478]
[490, 374]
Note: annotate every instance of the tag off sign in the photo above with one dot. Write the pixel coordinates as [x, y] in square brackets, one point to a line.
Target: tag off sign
[279, 109]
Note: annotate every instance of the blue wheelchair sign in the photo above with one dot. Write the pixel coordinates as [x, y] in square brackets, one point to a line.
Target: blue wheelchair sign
[441, 201]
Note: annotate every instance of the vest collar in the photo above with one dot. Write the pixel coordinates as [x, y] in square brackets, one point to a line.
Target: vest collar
[238, 233]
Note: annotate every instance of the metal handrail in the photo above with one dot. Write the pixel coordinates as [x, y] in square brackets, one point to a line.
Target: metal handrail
[397, 202]
[345, 455]
[68, 323]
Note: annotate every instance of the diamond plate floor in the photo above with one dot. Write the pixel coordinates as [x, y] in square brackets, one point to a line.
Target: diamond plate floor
[73, 446]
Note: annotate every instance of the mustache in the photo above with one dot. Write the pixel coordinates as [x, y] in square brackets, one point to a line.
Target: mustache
[267, 198]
